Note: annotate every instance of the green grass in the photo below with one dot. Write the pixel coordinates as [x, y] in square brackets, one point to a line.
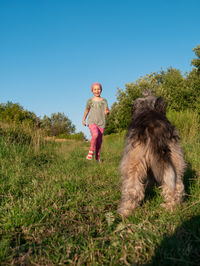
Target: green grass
[56, 208]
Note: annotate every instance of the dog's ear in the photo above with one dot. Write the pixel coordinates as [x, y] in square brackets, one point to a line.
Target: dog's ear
[133, 107]
[160, 105]
[136, 105]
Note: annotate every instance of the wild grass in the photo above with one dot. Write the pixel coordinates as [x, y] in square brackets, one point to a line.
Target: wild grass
[56, 208]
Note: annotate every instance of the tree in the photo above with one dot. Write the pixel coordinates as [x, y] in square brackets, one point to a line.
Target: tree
[193, 78]
[57, 124]
[14, 112]
[180, 92]
[46, 124]
[196, 61]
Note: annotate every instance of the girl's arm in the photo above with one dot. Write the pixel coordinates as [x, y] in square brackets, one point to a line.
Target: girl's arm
[85, 116]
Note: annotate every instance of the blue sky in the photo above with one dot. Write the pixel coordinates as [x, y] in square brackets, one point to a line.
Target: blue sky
[51, 51]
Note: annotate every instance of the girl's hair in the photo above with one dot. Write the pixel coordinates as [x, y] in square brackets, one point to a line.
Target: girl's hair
[96, 83]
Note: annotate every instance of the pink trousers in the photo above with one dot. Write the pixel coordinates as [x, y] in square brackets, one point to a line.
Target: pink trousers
[96, 141]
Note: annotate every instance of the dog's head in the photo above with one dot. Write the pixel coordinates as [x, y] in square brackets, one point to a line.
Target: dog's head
[149, 103]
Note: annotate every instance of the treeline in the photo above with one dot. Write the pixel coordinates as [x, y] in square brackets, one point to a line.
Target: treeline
[181, 92]
[13, 117]
[15, 113]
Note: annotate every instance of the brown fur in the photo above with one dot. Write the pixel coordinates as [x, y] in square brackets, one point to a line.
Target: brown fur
[151, 147]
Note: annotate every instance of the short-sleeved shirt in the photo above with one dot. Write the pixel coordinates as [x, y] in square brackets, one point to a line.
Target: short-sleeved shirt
[97, 112]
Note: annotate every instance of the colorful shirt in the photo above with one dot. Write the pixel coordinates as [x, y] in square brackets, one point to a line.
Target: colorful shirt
[97, 112]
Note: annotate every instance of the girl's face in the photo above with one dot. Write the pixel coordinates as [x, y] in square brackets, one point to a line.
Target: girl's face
[96, 90]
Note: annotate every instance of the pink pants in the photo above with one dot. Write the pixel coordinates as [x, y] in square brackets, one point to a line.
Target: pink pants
[96, 141]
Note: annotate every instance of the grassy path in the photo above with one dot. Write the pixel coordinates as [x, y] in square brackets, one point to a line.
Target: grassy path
[59, 209]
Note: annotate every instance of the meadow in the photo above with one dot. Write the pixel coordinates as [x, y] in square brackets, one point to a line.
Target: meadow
[57, 208]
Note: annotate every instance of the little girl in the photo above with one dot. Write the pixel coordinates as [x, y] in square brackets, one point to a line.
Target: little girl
[97, 108]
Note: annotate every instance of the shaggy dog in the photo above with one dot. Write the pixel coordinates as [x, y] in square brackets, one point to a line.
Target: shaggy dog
[151, 153]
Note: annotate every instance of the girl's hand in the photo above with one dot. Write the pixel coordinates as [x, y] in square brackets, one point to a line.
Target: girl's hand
[107, 111]
[84, 123]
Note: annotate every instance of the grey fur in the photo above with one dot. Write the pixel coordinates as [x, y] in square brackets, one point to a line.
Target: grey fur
[151, 152]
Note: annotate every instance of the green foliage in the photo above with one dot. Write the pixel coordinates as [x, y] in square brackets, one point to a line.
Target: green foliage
[57, 124]
[15, 113]
[111, 120]
[21, 126]
[75, 136]
[193, 82]
[187, 123]
[22, 134]
[17, 135]
[180, 92]
[196, 62]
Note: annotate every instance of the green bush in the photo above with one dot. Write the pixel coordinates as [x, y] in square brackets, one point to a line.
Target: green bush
[76, 136]
[180, 92]
[15, 113]
[57, 124]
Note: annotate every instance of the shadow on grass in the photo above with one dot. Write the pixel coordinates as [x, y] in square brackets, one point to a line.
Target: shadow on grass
[182, 248]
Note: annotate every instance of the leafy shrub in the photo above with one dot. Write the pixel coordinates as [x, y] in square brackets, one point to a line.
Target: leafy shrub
[181, 93]
[76, 136]
[57, 124]
[15, 113]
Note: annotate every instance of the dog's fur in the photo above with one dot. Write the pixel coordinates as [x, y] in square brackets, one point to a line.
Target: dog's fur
[151, 153]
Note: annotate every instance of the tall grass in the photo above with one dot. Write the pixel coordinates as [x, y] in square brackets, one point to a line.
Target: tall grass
[56, 208]
[23, 133]
[188, 124]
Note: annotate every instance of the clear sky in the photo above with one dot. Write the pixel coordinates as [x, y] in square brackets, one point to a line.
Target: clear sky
[51, 51]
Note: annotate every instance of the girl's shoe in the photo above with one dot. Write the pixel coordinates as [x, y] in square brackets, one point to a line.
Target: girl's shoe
[89, 156]
[98, 161]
